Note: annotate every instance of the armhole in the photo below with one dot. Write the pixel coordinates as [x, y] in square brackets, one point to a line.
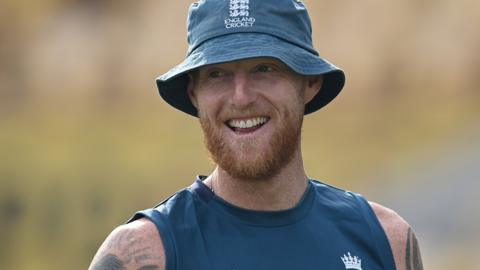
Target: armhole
[165, 234]
[381, 240]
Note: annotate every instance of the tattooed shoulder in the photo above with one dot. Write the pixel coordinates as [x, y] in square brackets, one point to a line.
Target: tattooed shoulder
[108, 262]
[132, 246]
[112, 262]
[413, 259]
[402, 240]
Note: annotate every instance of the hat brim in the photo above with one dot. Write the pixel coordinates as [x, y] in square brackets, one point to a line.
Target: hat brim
[172, 85]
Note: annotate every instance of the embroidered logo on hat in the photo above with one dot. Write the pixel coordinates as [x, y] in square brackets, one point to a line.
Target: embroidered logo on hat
[239, 15]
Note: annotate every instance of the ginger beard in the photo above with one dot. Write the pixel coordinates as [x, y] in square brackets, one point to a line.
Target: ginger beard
[229, 154]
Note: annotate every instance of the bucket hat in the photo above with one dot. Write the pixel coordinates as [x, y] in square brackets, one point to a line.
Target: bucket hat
[227, 30]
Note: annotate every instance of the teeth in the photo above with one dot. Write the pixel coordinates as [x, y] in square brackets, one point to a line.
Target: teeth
[247, 123]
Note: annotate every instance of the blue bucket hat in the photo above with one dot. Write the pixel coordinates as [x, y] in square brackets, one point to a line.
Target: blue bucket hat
[227, 30]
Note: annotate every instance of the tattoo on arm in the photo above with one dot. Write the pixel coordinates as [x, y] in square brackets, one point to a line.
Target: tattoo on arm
[112, 262]
[109, 262]
[413, 259]
[127, 251]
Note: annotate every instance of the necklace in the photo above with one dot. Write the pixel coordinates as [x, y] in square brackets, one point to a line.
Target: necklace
[211, 187]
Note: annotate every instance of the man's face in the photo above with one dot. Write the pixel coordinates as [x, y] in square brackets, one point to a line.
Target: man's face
[251, 112]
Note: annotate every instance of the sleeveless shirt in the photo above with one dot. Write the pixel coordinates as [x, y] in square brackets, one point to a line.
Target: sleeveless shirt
[328, 229]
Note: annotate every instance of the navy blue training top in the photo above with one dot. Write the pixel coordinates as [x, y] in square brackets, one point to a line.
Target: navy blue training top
[328, 229]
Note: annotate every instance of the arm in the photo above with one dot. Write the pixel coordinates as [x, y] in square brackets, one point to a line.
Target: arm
[133, 246]
[401, 237]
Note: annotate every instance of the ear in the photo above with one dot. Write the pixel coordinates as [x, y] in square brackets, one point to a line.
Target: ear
[191, 90]
[313, 85]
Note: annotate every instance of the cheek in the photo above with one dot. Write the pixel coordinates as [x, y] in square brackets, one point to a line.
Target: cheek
[209, 105]
[290, 97]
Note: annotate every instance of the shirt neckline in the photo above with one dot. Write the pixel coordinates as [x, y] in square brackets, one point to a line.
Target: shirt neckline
[254, 217]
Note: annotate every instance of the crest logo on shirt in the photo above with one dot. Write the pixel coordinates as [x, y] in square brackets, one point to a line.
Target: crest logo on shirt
[351, 262]
[239, 14]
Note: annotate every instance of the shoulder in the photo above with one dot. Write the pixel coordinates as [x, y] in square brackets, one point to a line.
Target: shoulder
[135, 245]
[401, 237]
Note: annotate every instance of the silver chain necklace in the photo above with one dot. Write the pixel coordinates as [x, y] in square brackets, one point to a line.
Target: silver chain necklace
[211, 187]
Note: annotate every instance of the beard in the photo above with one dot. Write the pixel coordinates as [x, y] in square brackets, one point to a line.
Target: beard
[243, 160]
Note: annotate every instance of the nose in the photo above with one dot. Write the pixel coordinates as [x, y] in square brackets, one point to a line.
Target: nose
[243, 93]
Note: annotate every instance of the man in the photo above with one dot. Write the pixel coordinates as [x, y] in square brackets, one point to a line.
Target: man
[250, 75]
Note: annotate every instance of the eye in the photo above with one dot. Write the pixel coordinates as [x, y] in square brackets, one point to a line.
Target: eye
[216, 74]
[264, 68]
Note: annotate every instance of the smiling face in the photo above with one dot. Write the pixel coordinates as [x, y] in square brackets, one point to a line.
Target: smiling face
[251, 112]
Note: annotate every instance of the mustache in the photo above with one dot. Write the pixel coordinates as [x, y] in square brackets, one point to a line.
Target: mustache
[232, 113]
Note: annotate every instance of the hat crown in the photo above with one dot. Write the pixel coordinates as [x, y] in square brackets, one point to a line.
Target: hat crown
[285, 19]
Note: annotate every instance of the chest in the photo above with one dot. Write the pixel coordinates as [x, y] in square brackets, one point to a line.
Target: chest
[307, 245]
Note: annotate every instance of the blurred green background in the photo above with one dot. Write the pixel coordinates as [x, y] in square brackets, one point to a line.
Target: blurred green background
[85, 139]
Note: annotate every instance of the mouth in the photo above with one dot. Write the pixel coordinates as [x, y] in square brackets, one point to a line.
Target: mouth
[247, 125]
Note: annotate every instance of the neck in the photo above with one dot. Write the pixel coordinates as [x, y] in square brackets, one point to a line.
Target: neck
[280, 192]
